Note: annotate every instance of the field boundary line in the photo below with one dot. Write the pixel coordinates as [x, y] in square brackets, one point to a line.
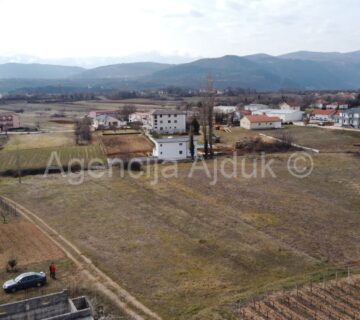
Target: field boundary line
[292, 144]
[122, 298]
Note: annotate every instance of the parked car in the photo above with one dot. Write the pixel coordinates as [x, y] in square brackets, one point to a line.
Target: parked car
[25, 281]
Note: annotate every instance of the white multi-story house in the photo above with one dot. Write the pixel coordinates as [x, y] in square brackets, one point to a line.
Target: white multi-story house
[173, 148]
[350, 118]
[167, 121]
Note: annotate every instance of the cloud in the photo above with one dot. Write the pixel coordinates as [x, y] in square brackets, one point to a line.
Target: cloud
[190, 14]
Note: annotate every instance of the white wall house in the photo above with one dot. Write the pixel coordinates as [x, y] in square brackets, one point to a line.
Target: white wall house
[167, 121]
[350, 118]
[286, 115]
[323, 115]
[334, 106]
[108, 122]
[289, 106]
[258, 122]
[225, 109]
[142, 117]
[256, 106]
[173, 148]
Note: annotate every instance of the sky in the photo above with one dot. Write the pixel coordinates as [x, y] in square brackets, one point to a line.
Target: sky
[195, 28]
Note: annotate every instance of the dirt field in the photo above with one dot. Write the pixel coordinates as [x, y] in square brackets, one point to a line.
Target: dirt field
[16, 239]
[127, 145]
[188, 249]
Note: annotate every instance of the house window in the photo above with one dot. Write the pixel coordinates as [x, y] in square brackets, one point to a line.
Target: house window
[169, 121]
[160, 144]
[175, 121]
[161, 116]
[161, 128]
[175, 115]
[180, 152]
[161, 152]
[161, 121]
[180, 144]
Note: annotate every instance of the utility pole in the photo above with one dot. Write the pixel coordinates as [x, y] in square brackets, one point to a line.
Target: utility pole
[18, 164]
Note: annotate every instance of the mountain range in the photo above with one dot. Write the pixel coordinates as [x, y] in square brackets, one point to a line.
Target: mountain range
[301, 70]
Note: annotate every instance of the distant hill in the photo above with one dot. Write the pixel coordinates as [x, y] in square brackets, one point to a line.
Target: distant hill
[301, 70]
[227, 71]
[323, 56]
[37, 71]
[263, 72]
[123, 71]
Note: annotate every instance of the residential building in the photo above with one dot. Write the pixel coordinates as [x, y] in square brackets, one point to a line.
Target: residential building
[289, 106]
[168, 121]
[141, 117]
[107, 122]
[9, 120]
[319, 104]
[257, 122]
[323, 115]
[173, 148]
[52, 306]
[335, 106]
[256, 106]
[286, 115]
[350, 118]
[225, 109]
[95, 113]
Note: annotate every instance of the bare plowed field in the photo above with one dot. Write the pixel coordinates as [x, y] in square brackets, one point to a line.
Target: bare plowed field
[131, 145]
[22, 240]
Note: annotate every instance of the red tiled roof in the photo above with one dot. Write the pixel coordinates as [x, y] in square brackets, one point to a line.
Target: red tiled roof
[324, 112]
[263, 119]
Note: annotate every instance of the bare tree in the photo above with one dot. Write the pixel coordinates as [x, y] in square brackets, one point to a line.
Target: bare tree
[207, 114]
[83, 132]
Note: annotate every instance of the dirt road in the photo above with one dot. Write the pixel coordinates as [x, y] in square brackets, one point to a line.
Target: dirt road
[119, 296]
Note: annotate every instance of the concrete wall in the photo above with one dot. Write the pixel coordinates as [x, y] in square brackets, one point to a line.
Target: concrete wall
[52, 306]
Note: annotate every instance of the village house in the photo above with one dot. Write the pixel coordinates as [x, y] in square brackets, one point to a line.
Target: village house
[95, 113]
[140, 117]
[167, 121]
[258, 122]
[9, 120]
[323, 115]
[225, 109]
[107, 122]
[319, 104]
[255, 107]
[289, 106]
[335, 106]
[286, 115]
[349, 118]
